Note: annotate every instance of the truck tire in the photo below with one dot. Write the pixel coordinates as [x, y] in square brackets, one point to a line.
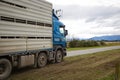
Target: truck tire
[42, 60]
[5, 68]
[59, 56]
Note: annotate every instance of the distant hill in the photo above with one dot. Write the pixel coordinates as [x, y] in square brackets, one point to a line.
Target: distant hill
[108, 38]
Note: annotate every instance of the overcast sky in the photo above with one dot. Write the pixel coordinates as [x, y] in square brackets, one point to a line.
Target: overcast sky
[89, 18]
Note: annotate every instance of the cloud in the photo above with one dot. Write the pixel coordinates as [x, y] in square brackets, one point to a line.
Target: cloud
[113, 21]
[90, 13]
[102, 15]
[87, 21]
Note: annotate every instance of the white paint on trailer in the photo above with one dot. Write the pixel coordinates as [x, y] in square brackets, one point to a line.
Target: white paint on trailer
[27, 30]
[38, 44]
[32, 10]
[28, 13]
[12, 45]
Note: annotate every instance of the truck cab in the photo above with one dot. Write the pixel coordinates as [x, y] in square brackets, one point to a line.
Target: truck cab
[59, 34]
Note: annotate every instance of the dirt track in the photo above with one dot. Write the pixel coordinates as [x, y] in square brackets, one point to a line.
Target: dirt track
[84, 67]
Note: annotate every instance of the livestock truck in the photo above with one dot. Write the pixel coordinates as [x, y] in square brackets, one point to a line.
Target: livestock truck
[30, 34]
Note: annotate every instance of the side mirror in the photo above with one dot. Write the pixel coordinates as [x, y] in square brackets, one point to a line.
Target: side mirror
[66, 32]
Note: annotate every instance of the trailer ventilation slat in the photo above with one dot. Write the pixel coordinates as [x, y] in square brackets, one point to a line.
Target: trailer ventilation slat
[49, 25]
[7, 19]
[39, 23]
[20, 21]
[31, 22]
[13, 4]
[17, 37]
[3, 18]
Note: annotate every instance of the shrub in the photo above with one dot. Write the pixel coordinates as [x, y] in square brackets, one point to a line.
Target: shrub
[102, 43]
[85, 43]
[73, 43]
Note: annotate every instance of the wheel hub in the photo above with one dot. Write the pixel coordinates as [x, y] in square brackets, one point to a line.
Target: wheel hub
[42, 60]
[59, 55]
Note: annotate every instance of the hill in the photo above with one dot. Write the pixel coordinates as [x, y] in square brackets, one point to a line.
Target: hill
[108, 38]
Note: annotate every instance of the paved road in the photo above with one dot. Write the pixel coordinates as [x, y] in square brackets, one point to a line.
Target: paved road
[88, 51]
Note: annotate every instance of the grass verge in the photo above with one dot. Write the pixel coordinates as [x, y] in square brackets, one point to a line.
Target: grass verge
[109, 77]
[96, 66]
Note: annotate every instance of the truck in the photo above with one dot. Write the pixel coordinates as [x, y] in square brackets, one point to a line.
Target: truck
[30, 34]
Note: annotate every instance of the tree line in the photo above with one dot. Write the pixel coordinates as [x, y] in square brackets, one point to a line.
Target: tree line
[85, 43]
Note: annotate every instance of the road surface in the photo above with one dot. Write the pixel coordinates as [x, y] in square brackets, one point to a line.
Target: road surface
[88, 51]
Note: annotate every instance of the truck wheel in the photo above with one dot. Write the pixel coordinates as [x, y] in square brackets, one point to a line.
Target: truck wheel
[5, 68]
[59, 56]
[42, 60]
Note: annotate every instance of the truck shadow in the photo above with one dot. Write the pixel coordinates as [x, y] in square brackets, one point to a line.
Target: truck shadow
[16, 71]
[21, 70]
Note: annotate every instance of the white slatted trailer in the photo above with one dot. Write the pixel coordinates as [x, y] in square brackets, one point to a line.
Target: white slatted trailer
[25, 25]
[25, 31]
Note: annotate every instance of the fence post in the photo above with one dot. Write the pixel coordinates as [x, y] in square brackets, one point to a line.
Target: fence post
[117, 71]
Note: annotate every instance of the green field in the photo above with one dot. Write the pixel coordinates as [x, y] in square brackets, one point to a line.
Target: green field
[96, 66]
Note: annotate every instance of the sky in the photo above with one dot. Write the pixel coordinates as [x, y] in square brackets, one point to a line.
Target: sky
[89, 18]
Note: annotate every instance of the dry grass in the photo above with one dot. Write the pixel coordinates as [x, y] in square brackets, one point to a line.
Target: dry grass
[112, 43]
[85, 67]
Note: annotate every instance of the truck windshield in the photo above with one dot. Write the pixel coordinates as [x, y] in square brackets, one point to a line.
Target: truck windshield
[61, 30]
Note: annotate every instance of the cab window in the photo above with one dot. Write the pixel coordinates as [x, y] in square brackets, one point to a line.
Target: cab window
[61, 30]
